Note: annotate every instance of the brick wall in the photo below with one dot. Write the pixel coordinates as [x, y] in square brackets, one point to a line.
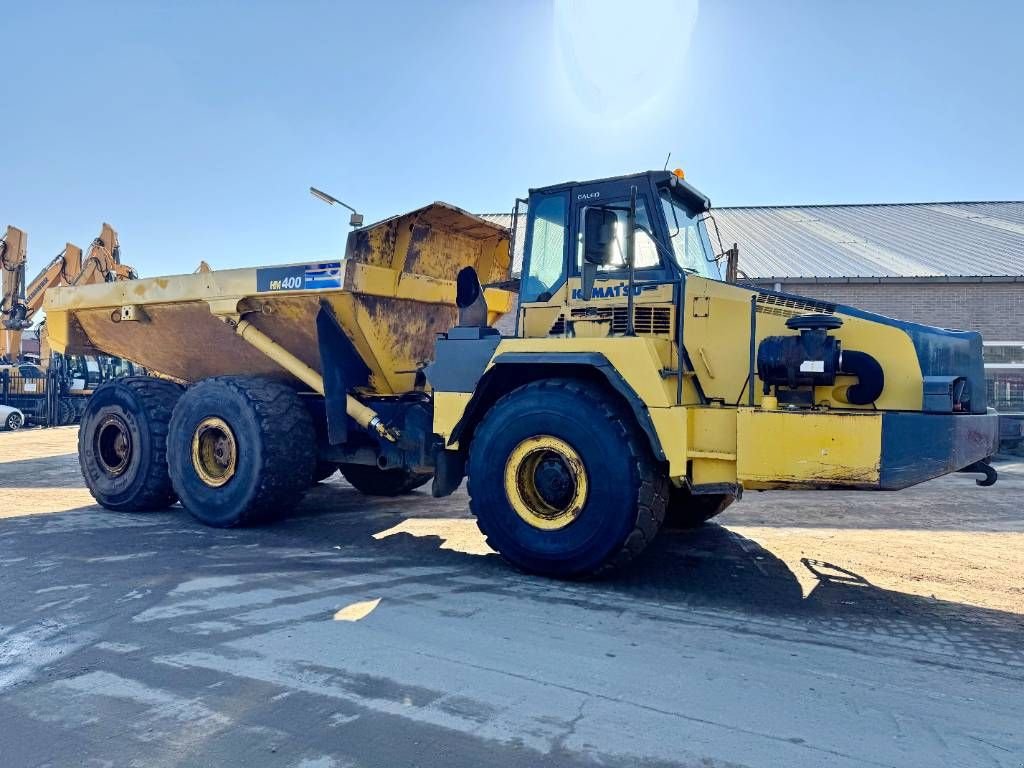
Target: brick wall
[994, 309]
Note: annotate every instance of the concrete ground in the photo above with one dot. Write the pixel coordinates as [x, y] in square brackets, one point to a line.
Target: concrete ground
[812, 629]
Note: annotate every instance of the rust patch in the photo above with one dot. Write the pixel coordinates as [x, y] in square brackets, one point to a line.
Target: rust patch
[418, 237]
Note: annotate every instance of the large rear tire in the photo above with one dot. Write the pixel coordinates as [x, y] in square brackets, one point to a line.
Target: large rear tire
[374, 481]
[241, 450]
[122, 443]
[562, 480]
[692, 510]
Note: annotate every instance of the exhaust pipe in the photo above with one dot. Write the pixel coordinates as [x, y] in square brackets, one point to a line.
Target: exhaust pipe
[469, 298]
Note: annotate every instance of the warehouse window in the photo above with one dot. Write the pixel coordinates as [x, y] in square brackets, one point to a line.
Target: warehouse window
[546, 239]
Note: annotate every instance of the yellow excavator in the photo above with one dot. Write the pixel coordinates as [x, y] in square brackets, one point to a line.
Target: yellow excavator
[27, 385]
[20, 303]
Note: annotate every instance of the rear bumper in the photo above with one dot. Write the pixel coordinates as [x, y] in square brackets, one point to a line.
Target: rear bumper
[920, 446]
[864, 450]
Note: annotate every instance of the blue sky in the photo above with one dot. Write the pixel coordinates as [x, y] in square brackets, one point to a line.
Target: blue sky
[196, 128]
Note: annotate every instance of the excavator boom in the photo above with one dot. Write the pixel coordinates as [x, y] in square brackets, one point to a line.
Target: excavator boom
[13, 248]
[20, 303]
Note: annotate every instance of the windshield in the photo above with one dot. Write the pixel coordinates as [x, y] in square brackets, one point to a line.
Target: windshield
[690, 244]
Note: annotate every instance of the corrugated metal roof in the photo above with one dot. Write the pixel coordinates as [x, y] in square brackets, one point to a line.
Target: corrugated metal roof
[896, 240]
[959, 239]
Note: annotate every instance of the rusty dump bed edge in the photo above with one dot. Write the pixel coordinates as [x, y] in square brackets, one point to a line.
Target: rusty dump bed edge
[392, 293]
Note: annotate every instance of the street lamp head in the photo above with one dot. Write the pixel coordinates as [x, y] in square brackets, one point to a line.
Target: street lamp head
[355, 220]
[321, 195]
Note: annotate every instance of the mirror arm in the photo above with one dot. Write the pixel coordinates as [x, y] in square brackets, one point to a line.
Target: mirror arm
[630, 247]
[587, 276]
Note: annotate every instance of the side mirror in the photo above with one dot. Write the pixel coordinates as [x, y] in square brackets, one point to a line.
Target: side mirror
[599, 235]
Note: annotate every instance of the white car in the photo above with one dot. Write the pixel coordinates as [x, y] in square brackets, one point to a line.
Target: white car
[11, 417]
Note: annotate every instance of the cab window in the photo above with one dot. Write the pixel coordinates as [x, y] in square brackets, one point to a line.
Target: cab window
[690, 244]
[546, 257]
[645, 255]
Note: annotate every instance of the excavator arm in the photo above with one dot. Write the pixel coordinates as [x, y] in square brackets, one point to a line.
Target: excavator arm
[101, 264]
[13, 247]
[13, 314]
[103, 261]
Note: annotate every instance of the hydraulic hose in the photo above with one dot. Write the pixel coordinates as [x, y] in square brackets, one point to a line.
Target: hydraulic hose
[362, 414]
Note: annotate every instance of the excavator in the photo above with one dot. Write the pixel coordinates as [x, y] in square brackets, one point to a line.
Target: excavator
[20, 302]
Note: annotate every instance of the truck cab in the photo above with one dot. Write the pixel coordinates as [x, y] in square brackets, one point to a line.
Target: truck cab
[573, 276]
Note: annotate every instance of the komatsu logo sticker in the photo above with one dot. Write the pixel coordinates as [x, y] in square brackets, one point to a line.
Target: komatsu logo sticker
[302, 277]
[611, 291]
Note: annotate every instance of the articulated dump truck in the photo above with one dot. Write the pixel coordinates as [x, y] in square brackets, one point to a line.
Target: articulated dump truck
[640, 388]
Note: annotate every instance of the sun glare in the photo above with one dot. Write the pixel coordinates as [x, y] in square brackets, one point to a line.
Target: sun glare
[620, 62]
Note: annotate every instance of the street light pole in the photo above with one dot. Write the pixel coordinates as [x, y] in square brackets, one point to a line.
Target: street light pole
[355, 220]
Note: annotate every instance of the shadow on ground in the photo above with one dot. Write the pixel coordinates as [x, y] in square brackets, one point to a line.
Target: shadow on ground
[709, 569]
[60, 471]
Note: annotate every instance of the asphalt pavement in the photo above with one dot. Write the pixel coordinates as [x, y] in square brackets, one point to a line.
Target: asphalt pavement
[805, 630]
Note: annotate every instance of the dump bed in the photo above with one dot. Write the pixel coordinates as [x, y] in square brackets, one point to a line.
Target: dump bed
[391, 294]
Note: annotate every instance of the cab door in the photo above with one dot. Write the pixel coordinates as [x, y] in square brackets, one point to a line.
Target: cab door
[542, 286]
[604, 312]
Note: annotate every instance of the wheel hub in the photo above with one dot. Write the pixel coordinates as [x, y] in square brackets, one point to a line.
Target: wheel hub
[546, 482]
[214, 451]
[113, 445]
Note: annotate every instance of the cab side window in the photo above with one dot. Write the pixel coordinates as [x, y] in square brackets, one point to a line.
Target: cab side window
[546, 257]
[646, 252]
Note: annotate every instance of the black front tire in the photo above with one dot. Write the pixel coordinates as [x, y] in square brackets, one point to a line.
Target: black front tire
[122, 443]
[626, 489]
[274, 450]
[374, 481]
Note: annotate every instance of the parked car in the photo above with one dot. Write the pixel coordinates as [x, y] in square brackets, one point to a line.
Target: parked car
[11, 417]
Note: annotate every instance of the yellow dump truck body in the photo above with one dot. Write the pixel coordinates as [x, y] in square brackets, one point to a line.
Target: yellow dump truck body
[393, 292]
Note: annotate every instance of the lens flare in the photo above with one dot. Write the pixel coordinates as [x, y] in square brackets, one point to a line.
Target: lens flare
[620, 62]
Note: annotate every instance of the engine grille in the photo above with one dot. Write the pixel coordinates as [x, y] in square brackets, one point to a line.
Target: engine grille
[787, 306]
[647, 320]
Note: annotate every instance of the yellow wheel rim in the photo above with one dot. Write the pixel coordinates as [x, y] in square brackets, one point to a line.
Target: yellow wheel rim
[546, 482]
[214, 451]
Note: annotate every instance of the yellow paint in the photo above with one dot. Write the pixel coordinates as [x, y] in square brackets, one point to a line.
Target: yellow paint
[780, 449]
[638, 359]
[670, 426]
[214, 451]
[357, 611]
[717, 324]
[521, 489]
[448, 410]
[712, 447]
[397, 293]
[598, 317]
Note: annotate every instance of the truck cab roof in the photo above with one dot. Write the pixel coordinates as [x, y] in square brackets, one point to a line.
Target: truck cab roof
[656, 178]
